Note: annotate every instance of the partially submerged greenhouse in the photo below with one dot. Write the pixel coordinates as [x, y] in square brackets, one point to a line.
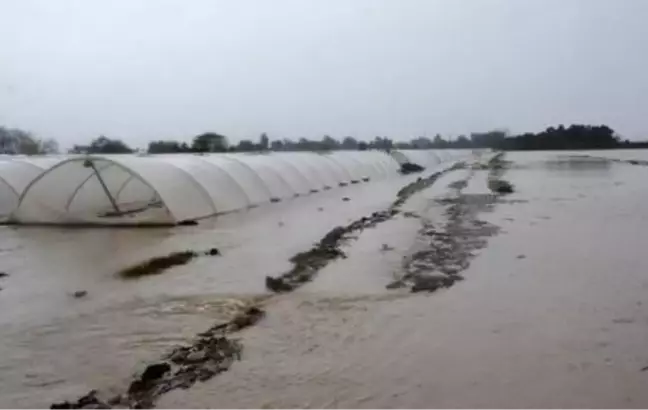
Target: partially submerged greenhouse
[172, 189]
[15, 175]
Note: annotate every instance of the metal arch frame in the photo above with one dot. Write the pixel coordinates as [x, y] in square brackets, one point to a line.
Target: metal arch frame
[228, 175]
[294, 168]
[17, 196]
[278, 174]
[333, 160]
[252, 171]
[356, 161]
[14, 190]
[300, 158]
[112, 161]
[365, 165]
[399, 156]
[131, 175]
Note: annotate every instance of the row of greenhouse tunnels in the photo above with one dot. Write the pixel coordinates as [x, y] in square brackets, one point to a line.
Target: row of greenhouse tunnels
[179, 188]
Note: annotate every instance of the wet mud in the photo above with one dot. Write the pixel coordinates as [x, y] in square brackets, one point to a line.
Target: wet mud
[410, 168]
[307, 264]
[211, 353]
[497, 166]
[450, 245]
[159, 264]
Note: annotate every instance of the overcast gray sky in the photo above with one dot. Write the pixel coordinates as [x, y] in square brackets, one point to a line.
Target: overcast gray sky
[158, 69]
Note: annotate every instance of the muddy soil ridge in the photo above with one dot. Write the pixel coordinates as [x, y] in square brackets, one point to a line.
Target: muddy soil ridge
[450, 246]
[211, 353]
[159, 264]
[307, 264]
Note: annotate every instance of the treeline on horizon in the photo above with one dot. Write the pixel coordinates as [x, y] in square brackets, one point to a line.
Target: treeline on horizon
[574, 137]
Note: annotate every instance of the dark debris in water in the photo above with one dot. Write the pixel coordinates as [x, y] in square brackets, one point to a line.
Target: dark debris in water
[500, 186]
[498, 166]
[188, 222]
[159, 264]
[80, 293]
[410, 168]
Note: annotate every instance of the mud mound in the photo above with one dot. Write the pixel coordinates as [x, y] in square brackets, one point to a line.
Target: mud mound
[500, 186]
[159, 264]
[419, 185]
[497, 166]
[410, 168]
[213, 352]
[307, 264]
[451, 245]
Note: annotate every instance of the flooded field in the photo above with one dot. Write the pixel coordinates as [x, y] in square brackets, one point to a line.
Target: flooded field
[551, 311]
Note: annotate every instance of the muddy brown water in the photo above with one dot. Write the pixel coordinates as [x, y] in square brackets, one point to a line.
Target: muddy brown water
[565, 325]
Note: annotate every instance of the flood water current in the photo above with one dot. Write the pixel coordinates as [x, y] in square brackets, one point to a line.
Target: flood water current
[552, 312]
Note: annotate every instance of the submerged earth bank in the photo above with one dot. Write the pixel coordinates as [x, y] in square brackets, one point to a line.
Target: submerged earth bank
[514, 280]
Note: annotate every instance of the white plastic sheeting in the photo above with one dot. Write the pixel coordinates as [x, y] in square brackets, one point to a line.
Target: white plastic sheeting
[424, 158]
[15, 174]
[168, 189]
[430, 159]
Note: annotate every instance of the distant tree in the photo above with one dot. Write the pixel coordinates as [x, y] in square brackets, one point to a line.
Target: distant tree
[439, 142]
[490, 139]
[462, 142]
[105, 145]
[421, 143]
[27, 144]
[574, 137]
[264, 142]
[559, 137]
[79, 149]
[349, 143]
[209, 142]
[382, 143]
[167, 147]
[304, 144]
[246, 146]
[277, 145]
[49, 146]
[289, 145]
[329, 143]
[15, 141]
